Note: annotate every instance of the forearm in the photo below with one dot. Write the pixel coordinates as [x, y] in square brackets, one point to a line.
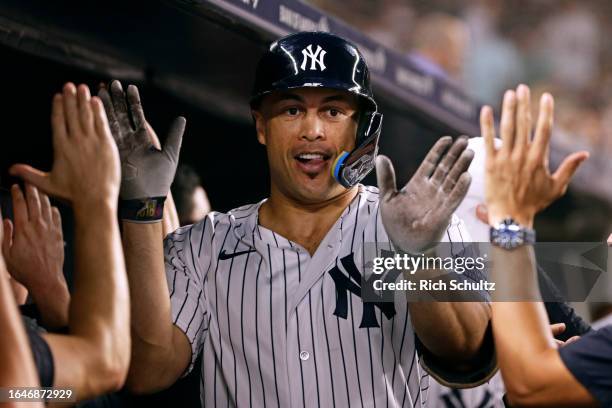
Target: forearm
[451, 330]
[515, 273]
[53, 302]
[153, 334]
[99, 310]
[17, 363]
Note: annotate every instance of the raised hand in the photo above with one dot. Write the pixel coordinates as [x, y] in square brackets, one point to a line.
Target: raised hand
[85, 159]
[416, 216]
[518, 182]
[147, 171]
[33, 248]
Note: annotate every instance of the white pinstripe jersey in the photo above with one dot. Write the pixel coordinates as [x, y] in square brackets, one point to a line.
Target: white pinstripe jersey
[275, 327]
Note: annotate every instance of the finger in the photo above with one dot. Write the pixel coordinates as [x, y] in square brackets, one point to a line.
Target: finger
[7, 239]
[20, 210]
[482, 213]
[152, 136]
[559, 343]
[572, 340]
[33, 201]
[57, 220]
[110, 113]
[172, 147]
[58, 122]
[460, 167]
[544, 126]
[120, 105]
[33, 176]
[567, 169]
[100, 119]
[385, 177]
[433, 156]
[507, 121]
[71, 111]
[449, 160]
[523, 119]
[136, 107]
[487, 129]
[45, 207]
[85, 115]
[458, 192]
[557, 328]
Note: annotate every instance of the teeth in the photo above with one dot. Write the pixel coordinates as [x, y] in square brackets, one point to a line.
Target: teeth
[310, 156]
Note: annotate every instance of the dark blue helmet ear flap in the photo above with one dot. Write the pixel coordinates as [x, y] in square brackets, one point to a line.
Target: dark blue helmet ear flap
[324, 60]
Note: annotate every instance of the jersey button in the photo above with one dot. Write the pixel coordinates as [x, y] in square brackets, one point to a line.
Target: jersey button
[304, 355]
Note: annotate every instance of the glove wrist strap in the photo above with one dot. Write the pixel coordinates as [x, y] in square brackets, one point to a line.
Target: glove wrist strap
[145, 210]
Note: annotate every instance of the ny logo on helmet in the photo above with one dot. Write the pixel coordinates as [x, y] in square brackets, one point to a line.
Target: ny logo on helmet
[316, 58]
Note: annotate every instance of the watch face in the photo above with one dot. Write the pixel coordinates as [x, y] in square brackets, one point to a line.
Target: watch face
[508, 236]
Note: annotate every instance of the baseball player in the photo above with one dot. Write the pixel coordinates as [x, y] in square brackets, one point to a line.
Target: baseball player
[270, 293]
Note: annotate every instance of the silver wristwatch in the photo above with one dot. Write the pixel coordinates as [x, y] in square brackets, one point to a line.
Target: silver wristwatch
[508, 234]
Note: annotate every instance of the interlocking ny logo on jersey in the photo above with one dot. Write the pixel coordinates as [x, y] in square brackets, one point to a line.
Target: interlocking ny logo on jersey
[353, 284]
[316, 58]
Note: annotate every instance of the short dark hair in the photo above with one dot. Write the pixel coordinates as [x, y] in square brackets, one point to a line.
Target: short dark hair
[185, 182]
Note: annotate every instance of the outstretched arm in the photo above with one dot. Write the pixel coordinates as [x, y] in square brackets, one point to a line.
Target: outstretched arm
[416, 217]
[518, 185]
[93, 358]
[17, 364]
[160, 350]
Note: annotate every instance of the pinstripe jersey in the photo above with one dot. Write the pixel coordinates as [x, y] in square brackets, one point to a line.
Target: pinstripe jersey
[280, 328]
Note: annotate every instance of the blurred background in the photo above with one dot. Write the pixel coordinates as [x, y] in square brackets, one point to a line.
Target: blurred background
[433, 64]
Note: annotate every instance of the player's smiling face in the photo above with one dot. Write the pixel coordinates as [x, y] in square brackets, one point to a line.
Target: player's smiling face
[304, 131]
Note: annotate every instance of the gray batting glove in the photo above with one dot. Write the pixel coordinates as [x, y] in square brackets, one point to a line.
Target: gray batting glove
[417, 216]
[145, 170]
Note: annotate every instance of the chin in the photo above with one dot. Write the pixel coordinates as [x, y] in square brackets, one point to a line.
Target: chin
[319, 191]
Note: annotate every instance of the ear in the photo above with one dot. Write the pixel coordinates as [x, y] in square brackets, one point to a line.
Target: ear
[259, 126]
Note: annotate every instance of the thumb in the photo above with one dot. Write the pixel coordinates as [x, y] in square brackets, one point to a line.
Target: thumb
[385, 176]
[172, 147]
[33, 176]
[568, 167]
[557, 329]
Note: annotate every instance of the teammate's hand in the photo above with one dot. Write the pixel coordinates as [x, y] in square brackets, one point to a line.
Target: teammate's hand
[147, 171]
[85, 162]
[557, 329]
[518, 182]
[34, 252]
[416, 216]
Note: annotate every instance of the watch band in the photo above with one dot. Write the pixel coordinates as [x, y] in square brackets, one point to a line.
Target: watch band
[144, 210]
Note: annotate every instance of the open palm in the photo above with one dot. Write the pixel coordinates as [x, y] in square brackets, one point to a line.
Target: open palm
[416, 216]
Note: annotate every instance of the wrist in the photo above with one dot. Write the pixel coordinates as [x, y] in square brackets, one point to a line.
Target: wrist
[498, 214]
[90, 208]
[142, 210]
[55, 287]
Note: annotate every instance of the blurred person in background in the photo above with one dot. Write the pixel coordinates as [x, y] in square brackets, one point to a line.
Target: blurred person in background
[189, 196]
[93, 357]
[439, 45]
[569, 40]
[493, 63]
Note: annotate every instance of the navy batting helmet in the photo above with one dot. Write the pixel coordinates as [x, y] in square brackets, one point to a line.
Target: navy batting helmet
[319, 59]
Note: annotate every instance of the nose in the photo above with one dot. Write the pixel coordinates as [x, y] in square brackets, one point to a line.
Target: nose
[312, 127]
